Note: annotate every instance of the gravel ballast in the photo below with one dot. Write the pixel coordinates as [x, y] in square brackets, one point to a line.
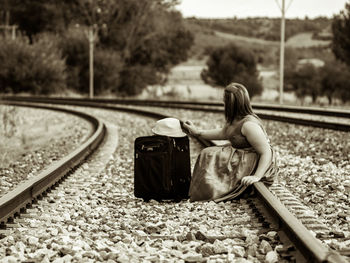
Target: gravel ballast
[314, 167]
[93, 216]
[41, 137]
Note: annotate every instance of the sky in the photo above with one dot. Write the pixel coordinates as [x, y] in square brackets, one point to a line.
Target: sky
[260, 8]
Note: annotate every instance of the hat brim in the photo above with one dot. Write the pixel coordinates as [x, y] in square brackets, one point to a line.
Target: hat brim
[177, 134]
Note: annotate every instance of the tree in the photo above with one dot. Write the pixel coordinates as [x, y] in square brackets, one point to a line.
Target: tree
[335, 81]
[341, 35]
[31, 68]
[291, 61]
[344, 93]
[330, 79]
[143, 34]
[33, 17]
[232, 64]
[305, 80]
[147, 33]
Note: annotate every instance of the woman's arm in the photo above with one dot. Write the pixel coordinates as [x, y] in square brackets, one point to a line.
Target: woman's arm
[213, 134]
[257, 139]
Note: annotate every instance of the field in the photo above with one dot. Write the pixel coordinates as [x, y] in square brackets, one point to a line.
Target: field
[305, 40]
[28, 130]
[184, 81]
[298, 41]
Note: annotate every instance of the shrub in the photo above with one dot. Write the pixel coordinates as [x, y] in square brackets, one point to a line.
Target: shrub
[8, 115]
[232, 64]
[37, 68]
[134, 79]
[335, 81]
[305, 80]
[107, 64]
[107, 67]
[332, 80]
[75, 50]
[341, 40]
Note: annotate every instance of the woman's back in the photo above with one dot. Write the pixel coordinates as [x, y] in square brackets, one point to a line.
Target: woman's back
[234, 134]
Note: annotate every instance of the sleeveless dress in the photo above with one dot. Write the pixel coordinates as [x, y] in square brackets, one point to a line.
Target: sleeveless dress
[218, 170]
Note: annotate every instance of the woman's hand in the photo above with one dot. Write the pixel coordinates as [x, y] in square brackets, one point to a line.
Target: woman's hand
[248, 180]
[191, 128]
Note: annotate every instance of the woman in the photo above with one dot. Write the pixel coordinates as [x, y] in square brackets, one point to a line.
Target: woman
[224, 172]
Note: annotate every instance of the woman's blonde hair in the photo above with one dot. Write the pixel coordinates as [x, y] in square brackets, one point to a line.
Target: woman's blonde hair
[237, 102]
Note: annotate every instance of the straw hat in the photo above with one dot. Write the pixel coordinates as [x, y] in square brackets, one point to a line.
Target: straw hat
[169, 127]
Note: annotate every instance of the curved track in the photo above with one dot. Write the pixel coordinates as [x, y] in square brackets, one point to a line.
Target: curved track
[24, 194]
[310, 247]
[290, 114]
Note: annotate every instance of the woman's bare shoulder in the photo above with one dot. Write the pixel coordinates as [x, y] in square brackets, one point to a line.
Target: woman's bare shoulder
[250, 126]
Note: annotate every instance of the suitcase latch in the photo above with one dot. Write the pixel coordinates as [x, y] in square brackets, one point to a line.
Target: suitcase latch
[148, 149]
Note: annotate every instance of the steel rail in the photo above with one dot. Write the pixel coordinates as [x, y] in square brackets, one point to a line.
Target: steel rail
[16, 200]
[92, 103]
[308, 110]
[218, 107]
[310, 247]
[322, 111]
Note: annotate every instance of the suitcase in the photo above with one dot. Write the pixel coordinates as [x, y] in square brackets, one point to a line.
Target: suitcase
[162, 168]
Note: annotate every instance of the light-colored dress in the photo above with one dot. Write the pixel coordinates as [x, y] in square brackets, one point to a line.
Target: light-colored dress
[218, 170]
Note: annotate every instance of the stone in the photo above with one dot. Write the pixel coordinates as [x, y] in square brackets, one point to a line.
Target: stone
[265, 247]
[238, 251]
[219, 247]
[271, 257]
[207, 250]
[193, 257]
[33, 241]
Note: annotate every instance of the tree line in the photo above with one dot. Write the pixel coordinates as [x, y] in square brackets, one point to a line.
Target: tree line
[137, 42]
[332, 80]
[264, 27]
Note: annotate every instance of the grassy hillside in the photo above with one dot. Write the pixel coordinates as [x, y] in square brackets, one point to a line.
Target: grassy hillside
[184, 80]
[301, 45]
[266, 28]
[206, 39]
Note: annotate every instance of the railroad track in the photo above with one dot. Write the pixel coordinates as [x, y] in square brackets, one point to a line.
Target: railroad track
[311, 249]
[14, 202]
[331, 118]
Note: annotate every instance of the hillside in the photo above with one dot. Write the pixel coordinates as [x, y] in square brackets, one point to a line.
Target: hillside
[312, 43]
[299, 40]
[266, 28]
[184, 80]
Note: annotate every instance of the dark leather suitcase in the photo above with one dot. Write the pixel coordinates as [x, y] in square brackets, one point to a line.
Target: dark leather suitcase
[162, 168]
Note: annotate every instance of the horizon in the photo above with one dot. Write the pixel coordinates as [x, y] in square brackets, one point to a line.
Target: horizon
[255, 17]
[241, 9]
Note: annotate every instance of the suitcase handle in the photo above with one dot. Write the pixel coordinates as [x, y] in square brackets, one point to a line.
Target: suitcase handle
[150, 147]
